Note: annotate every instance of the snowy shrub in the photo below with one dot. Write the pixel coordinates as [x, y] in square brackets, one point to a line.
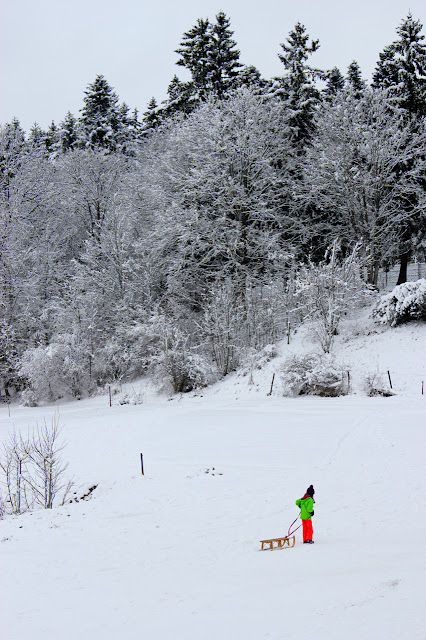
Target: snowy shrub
[130, 397]
[406, 302]
[38, 368]
[373, 384]
[184, 371]
[176, 364]
[314, 374]
[62, 369]
[258, 359]
[29, 398]
[325, 292]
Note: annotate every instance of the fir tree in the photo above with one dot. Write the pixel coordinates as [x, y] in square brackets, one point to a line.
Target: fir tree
[402, 68]
[223, 56]
[335, 82]
[36, 136]
[402, 71]
[386, 73]
[12, 147]
[249, 76]
[135, 125]
[151, 117]
[100, 115]
[68, 133]
[180, 98]
[52, 139]
[297, 87]
[354, 79]
[209, 53]
[195, 55]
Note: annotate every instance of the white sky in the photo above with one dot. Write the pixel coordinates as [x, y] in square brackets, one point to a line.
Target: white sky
[50, 50]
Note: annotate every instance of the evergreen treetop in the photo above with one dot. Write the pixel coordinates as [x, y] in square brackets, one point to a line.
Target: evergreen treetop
[402, 67]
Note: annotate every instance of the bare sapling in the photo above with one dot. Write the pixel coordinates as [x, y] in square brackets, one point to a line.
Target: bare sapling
[48, 477]
[33, 470]
[13, 467]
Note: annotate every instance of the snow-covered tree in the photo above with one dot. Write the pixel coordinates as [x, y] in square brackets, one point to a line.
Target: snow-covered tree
[194, 51]
[68, 133]
[215, 184]
[401, 70]
[363, 165]
[297, 87]
[224, 57]
[335, 82]
[104, 122]
[402, 67]
[354, 79]
[210, 54]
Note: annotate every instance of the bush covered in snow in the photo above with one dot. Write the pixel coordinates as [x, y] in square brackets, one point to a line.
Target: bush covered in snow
[314, 374]
[130, 397]
[406, 302]
[373, 384]
[258, 359]
[325, 292]
[54, 372]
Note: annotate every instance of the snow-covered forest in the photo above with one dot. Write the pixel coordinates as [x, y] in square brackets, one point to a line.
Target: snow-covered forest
[181, 242]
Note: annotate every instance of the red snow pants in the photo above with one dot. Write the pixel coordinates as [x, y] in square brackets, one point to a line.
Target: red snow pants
[307, 530]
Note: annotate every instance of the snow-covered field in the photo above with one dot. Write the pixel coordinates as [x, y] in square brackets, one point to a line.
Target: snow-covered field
[175, 554]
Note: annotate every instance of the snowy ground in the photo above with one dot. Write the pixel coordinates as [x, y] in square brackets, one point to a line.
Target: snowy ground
[175, 554]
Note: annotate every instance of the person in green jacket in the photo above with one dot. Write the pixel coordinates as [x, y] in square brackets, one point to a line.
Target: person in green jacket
[306, 505]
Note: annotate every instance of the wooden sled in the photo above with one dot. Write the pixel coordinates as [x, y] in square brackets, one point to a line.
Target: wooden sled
[278, 543]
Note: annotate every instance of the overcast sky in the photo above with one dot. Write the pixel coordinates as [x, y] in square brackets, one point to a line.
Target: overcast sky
[52, 49]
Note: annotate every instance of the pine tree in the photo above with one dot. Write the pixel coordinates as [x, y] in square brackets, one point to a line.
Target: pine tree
[386, 73]
[402, 68]
[52, 139]
[224, 57]
[297, 87]
[335, 82]
[209, 53]
[100, 117]
[12, 147]
[194, 51]
[180, 98]
[36, 136]
[68, 133]
[354, 79]
[249, 76]
[151, 117]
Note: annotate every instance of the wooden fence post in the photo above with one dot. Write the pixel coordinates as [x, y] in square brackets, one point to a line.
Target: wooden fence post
[390, 381]
[142, 464]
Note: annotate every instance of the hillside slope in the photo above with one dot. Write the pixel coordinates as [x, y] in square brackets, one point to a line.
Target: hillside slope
[176, 554]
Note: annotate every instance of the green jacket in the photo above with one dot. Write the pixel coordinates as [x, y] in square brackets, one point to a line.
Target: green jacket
[306, 507]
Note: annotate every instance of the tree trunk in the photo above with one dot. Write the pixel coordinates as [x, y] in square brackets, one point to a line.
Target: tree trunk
[402, 277]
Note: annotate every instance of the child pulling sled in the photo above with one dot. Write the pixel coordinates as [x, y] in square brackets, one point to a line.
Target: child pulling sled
[306, 505]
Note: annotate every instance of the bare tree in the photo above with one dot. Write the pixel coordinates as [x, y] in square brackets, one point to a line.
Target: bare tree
[34, 471]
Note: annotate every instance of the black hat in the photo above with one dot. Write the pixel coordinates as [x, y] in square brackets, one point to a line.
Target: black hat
[310, 491]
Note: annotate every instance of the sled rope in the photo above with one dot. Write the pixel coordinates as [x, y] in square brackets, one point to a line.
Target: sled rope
[294, 530]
